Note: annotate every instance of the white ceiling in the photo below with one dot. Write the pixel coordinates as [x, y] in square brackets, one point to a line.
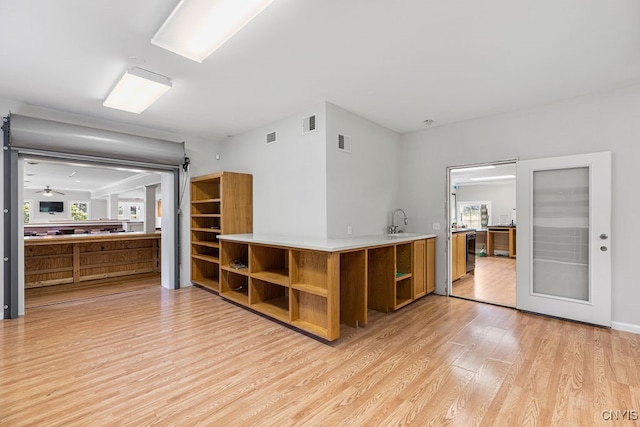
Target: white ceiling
[466, 175]
[64, 176]
[395, 62]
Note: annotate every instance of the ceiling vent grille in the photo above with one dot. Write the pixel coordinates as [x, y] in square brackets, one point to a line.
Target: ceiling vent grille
[271, 137]
[309, 124]
[344, 143]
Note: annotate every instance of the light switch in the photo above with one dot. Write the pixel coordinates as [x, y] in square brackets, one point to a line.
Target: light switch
[435, 226]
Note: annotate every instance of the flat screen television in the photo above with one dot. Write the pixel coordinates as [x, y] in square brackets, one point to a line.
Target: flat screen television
[51, 206]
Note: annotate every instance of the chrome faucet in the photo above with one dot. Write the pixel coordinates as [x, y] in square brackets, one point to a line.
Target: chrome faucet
[393, 228]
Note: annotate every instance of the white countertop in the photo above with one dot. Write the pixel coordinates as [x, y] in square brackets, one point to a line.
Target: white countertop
[327, 245]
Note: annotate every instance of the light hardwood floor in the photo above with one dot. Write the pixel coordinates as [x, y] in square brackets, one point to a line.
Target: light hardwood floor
[37, 297]
[494, 281]
[185, 357]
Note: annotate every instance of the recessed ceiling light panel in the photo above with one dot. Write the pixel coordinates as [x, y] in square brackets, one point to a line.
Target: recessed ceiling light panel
[493, 178]
[137, 90]
[196, 28]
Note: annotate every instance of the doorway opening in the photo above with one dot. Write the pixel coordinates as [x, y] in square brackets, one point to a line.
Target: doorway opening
[482, 233]
[90, 230]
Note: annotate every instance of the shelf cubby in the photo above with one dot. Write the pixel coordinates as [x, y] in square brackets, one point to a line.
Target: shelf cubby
[404, 257]
[231, 251]
[381, 278]
[205, 188]
[205, 273]
[309, 312]
[353, 288]
[309, 271]
[269, 298]
[205, 207]
[403, 292]
[234, 286]
[270, 264]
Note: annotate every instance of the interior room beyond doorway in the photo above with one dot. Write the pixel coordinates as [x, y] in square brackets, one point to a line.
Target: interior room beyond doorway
[90, 230]
[482, 201]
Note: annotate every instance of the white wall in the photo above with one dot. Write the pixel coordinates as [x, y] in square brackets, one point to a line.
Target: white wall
[361, 186]
[202, 155]
[600, 122]
[99, 209]
[289, 176]
[68, 198]
[501, 196]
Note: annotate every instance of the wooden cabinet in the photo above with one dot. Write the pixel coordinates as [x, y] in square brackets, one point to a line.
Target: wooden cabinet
[501, 240]
[458, 255]
[221, 203]
[400, 274]
[317, 290]
[295, 286]
[431, 265]
[56, 260]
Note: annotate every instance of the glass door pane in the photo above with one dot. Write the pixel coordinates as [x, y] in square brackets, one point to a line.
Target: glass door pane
[560, 267]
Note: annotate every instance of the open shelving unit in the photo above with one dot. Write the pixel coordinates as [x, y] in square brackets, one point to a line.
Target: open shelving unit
[220, 203]
[404, 279]
[317, 290]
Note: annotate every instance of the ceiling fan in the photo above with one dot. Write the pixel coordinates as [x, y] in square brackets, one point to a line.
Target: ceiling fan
[48, 192]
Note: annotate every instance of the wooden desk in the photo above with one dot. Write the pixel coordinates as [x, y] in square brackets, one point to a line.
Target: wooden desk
[502, 239]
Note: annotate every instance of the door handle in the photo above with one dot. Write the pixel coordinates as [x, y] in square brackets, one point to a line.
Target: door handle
[603, 236]
[603, 248]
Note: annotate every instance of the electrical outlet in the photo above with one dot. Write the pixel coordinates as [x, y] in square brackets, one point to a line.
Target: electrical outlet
[435, 226]
[349, 230]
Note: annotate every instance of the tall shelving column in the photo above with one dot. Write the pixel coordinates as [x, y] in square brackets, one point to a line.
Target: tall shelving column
[221, 203]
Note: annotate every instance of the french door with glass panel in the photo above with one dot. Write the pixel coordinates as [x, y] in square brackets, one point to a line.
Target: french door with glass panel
[564, 258]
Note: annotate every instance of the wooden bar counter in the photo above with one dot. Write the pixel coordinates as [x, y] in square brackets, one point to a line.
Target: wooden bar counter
[54, 260]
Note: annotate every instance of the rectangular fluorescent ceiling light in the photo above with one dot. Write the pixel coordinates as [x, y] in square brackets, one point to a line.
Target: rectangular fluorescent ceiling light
[473, 168]
[196, 28]
[492, 178]
[137, 90]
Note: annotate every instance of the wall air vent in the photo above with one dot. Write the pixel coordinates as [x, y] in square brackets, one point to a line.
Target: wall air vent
[309, 124]
[271, 137]
[344, 143]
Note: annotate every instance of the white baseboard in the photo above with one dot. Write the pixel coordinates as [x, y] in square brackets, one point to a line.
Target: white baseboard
[627, 327]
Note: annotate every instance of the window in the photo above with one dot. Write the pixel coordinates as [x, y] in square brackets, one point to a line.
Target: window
[470, 213]
[27, 212]
[79, 211]
[130, 210]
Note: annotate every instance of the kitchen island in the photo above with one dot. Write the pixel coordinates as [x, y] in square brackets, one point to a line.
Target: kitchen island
[58, 259]
[316, 284]
[501, 240]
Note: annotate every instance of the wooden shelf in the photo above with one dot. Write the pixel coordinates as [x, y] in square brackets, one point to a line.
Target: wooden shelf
[311, 327]
[207, 283]
[207, 258]
[237, 296]
[206, 230]
[401, 302]
[315, 290]
[278, 308]
[221, 203]
[242, 271]
[403, 276]
[207, 201]
[206, 243]
[279, 277]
